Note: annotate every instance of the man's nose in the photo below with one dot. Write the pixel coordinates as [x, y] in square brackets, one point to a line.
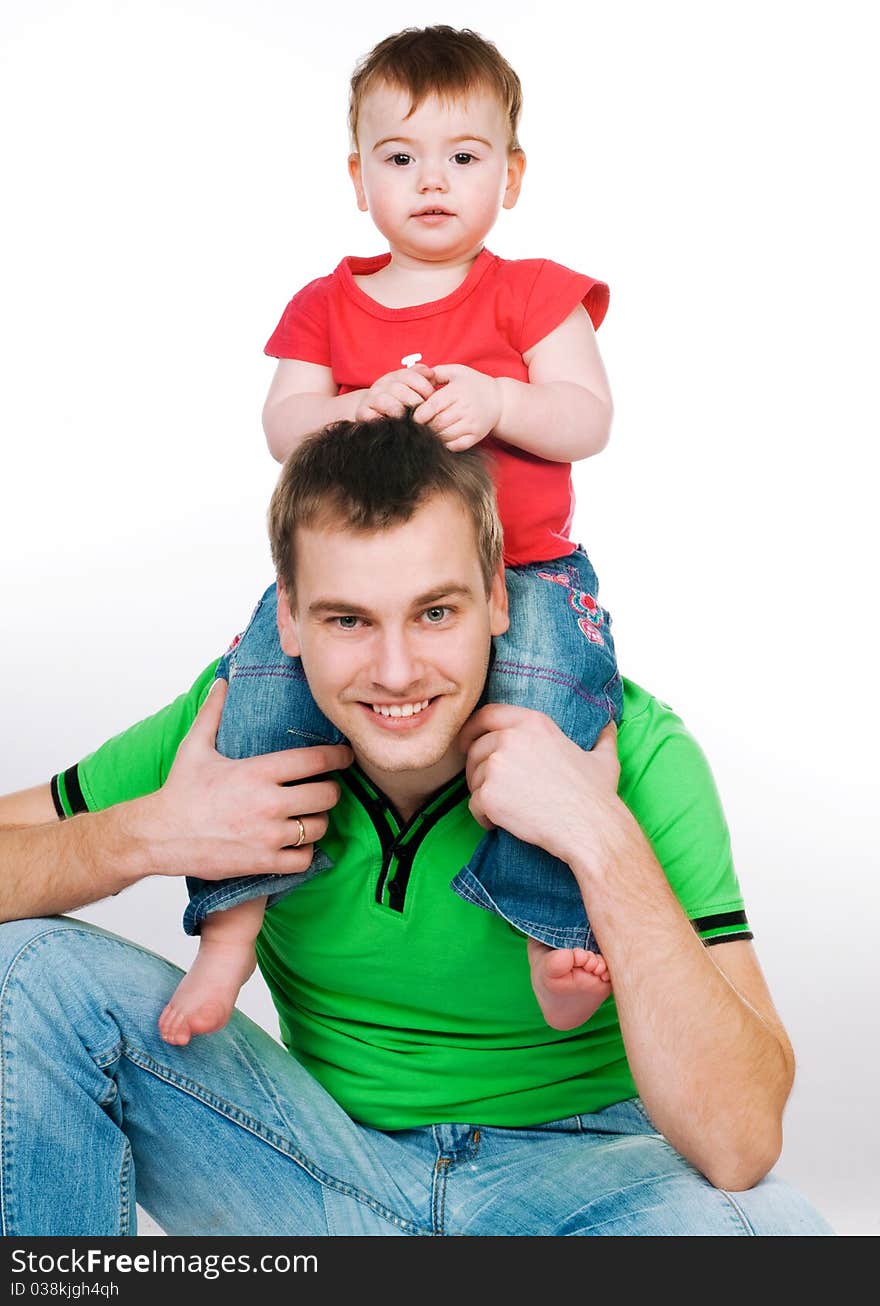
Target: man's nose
[396, 666]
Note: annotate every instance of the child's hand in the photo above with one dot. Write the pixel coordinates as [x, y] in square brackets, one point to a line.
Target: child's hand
[464, 408]
[394, 392]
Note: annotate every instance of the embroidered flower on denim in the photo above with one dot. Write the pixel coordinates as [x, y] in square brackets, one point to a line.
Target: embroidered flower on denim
[590, 614]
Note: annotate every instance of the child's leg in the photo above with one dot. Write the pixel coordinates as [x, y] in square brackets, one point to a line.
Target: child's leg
[268, 708]
[204, 998]
[569, 983]
[557, 657]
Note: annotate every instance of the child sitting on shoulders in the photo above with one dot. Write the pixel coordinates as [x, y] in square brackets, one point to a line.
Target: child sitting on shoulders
[482, 350]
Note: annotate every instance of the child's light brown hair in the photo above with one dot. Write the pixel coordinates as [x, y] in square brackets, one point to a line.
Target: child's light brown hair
[442, 61]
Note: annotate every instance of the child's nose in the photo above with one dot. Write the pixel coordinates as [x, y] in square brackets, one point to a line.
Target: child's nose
[432, 177]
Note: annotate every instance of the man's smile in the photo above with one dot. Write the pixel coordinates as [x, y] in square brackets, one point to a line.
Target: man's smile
[401, 716]
[400, 709]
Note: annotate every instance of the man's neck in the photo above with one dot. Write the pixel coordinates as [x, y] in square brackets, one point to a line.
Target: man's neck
[409, 790]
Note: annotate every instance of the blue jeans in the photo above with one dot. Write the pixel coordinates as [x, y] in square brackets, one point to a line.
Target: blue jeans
[557, 657]
[268, 707]
[231, 1136]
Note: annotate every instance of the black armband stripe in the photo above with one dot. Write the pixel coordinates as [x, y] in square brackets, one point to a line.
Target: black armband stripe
[727, 938]
[56, 799]
[725, 918]
[75, 797]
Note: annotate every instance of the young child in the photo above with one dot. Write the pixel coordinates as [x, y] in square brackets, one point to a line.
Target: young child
[481, 349]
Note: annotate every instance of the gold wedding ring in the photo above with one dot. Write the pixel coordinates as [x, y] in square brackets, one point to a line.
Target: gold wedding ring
[302, 833]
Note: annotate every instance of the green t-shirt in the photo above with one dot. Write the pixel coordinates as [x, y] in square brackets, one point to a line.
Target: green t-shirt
[408, 1004]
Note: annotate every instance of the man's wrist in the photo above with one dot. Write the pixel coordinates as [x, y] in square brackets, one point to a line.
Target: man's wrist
[597, 845]
[133, 843]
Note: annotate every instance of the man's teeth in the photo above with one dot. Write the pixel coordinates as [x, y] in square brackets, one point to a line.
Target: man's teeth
[400, 709]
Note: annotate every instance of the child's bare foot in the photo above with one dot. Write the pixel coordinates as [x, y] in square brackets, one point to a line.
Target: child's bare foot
[204, 998]
[569, 983]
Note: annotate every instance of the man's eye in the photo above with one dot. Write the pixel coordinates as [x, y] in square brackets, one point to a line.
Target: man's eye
[464, 157]
[348, 622]
[435, 615]
[400, 159]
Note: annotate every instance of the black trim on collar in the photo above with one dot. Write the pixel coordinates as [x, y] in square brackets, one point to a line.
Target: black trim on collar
[406, 852]
[376, 811]
[403, 846]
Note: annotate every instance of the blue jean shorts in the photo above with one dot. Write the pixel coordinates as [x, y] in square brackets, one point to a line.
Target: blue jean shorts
[556, 657]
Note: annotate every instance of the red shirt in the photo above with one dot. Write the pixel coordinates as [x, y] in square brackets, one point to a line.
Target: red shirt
[501, 309]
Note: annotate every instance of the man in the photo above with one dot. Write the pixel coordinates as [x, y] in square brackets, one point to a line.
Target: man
[424, 1093]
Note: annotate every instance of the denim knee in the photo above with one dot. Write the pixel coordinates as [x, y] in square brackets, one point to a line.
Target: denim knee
[15, 936]
[558, 654]
[269, 705]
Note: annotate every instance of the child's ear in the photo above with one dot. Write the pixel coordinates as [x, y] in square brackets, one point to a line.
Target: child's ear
[516, 166]
[286, 624]
[354, 171]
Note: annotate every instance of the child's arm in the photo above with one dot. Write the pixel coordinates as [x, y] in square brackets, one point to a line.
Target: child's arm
[303, 398]
[562, 413]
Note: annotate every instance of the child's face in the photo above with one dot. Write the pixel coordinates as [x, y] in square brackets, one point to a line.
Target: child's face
[448, 157]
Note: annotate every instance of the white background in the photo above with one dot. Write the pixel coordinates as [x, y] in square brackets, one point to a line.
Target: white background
[173, 172]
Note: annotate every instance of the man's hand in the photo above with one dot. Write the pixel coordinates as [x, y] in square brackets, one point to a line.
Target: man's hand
[464, 408]
[394, 392]
[528, 777]
[217, 817]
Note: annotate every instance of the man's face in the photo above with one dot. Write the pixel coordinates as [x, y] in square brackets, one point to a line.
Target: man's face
[434, 180]
[394, 628]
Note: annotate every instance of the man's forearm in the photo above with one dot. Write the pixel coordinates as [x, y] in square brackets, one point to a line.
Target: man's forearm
[214, 817]
[714, 1074]
[58, 867]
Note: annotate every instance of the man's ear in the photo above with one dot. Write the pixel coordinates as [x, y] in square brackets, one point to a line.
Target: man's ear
[499, 619]
[354, 171]
[516, 166]
[286, 624]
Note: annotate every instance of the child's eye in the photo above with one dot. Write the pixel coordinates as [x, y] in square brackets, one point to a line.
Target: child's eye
[401, 159]
[463, 157]
[435, 615]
